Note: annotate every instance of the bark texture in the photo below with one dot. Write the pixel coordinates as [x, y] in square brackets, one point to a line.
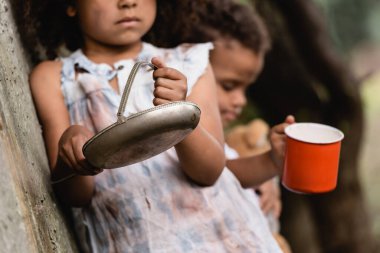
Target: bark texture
[30, 220]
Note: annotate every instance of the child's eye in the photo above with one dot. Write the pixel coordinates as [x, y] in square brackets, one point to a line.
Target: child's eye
[228, 86]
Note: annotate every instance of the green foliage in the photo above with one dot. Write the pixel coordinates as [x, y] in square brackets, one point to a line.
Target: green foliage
[351, 22]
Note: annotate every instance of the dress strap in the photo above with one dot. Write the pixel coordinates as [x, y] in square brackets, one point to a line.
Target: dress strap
[68, 70]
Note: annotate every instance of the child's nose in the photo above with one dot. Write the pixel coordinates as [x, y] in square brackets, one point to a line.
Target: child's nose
[239, 99]
[127, 3]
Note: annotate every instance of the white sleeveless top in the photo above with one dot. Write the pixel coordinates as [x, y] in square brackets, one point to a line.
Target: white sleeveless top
[151, 206]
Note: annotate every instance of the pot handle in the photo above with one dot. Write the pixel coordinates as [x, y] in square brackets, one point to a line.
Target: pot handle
[127, 88]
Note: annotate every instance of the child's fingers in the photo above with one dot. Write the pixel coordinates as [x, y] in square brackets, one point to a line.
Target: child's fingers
[68, 156]
[158, 62]
[280, 129]
[70, 150]
[277, 209]
[77, 144]
[169, 85]
[265, 203]
[81, 161]
[164, 83]
[77, 148]
[160, 101]
[74, 158]
[168, 94]
[83, 166]
[168, 73]
[178, 86]
[290, 119]
[65, 159]
[165, 72]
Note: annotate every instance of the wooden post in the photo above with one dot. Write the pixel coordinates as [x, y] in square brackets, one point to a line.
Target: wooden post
[30, 220]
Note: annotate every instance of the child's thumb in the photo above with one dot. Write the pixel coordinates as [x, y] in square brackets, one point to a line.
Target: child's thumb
[158, 62]
[290, 119]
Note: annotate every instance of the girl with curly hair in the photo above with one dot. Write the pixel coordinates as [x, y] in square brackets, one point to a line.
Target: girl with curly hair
[174, 202]
[241, 41]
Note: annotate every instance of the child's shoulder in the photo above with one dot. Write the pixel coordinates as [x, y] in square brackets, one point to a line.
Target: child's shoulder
[46, 72]
[46, 68]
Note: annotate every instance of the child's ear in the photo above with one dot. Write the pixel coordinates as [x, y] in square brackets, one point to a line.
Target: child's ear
[71, 11]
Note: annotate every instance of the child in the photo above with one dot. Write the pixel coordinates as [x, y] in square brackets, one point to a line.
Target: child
[240, 44]
[236, 66]
[241, 41]
[160, 204]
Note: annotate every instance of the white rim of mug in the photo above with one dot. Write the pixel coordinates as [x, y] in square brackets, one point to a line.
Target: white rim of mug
[339, 133]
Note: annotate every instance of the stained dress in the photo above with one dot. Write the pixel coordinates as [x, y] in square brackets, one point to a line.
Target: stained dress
[152, 206]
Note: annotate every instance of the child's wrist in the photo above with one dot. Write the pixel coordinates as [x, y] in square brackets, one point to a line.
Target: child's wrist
[54, 181]
[62, 172]
[275, 166]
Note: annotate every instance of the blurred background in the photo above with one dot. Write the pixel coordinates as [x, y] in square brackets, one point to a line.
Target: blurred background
[354, 29]
[324, 67]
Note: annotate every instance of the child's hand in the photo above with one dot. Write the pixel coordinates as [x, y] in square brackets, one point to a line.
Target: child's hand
[170, 84]
[270, 201]
[70, 150]
[277, 139]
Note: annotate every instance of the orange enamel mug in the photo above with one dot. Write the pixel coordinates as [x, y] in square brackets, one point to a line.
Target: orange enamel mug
[311, 158]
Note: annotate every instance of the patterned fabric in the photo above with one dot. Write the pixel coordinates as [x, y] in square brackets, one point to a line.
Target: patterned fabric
[272, 221]
[151, 206]
[232, 154]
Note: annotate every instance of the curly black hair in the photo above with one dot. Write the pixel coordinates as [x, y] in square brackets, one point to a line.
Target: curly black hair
[45, 27]
[209, 21]
[44, 24]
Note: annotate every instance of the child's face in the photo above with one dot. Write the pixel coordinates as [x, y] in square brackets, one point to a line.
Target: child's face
[235, 68]
[113, 23]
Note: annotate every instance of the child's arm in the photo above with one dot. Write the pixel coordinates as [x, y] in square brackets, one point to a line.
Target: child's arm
[201, 153]
[254, 170]
[54, 117]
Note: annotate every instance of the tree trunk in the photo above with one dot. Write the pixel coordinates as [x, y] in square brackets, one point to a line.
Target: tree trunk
[29, 217]
[303, 76]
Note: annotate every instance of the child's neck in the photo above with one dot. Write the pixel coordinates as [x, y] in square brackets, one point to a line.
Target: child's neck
[110, 55]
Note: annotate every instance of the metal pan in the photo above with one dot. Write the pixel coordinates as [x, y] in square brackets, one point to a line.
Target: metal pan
[142, 135]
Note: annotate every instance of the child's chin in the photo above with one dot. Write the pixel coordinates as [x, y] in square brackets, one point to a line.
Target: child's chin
[226, 122]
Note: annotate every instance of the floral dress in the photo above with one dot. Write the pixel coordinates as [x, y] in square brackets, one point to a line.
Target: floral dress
[151, 206]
